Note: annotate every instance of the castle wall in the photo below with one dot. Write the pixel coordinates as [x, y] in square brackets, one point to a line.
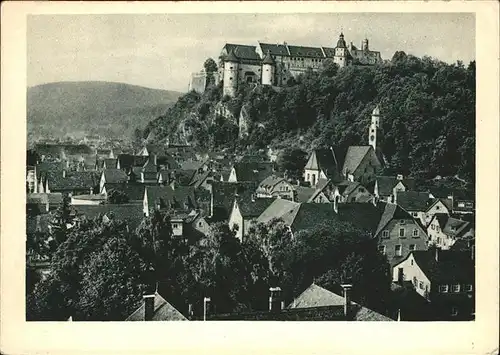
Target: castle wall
[198, 82]
[245, 68]
[366, 57]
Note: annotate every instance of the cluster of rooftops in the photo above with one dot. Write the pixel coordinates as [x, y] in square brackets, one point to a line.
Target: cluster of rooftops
[203, 188]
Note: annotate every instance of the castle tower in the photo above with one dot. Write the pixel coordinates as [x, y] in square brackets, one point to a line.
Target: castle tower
[231, 66]
[364, 45]
[341, 52]
[268, 67]
[372, 130]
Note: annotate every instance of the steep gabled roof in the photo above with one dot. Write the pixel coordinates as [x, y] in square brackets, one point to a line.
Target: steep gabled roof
[274, 49]
[317, 296]
[114, 176]
[451, 266]
[304, 193]
[386, 184]
[413, 200]
[354, 157]
[268, 59]
[450, 226]
[346, 187]
[277, 209]
[325, 160]
[127, 161]
[270, 181]
[253, 171]
[390, 212]
[448, 203]
[134, 191]
[362, 215]
[309, 215]
[242, 51]
[77, 180]
[130, 213]
[253, 208]
[301, 51]
[163, 311]
[167, 197]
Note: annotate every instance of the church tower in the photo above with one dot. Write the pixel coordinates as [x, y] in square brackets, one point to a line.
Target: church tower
[268, 66]
[341, 52]
[372, 130]
[231, 66]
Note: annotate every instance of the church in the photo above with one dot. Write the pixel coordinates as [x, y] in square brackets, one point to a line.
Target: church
[277, 64]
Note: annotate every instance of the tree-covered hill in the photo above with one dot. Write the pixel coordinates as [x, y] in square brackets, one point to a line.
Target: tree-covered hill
[88, 107]
[427, 114]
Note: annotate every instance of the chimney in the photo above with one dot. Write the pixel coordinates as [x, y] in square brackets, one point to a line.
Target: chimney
[190, 311]
[347, 299]
[149, 307]
[64, 173]
[275, 303]
[436, 254]
[336, 203]
[206, 305]
[400, 177]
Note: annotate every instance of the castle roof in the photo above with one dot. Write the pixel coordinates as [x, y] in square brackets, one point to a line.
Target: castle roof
[268, 59]
[231, 57]
[300, 51]
[242, 51]
[341, 42]
[274, 49]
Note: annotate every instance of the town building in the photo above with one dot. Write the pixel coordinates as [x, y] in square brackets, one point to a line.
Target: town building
[445, 279]
[398, 234]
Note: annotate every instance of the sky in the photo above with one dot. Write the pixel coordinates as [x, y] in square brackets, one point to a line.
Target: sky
[160, 51]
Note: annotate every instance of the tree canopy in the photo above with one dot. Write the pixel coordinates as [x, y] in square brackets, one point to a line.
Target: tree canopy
[427, 114]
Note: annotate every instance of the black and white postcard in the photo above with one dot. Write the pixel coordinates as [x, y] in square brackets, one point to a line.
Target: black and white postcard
[220, 169]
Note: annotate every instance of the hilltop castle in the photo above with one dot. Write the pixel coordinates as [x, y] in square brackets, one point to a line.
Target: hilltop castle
[277, 64]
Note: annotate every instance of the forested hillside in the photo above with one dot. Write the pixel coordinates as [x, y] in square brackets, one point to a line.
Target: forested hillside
[89, 107]
[427, 114]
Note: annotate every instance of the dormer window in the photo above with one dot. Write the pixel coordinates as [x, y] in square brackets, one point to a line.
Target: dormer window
[443, 288]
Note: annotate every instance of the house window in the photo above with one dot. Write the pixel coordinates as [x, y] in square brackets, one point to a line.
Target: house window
[461, 204]
[414, 281]
[468, 288]
[398, 250]
[402, 221]
[454, 311]
[412, 248]
[437, 207]
[421, 285]
[381, 249]
[175, 225]
[455, 288]
[402, 232]
[443, 288]
[415, 233]
[411, 262]
[414, 214]
[432, 226]
[361, 189]
[438, 240]
[385, 234]
[200, 224]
